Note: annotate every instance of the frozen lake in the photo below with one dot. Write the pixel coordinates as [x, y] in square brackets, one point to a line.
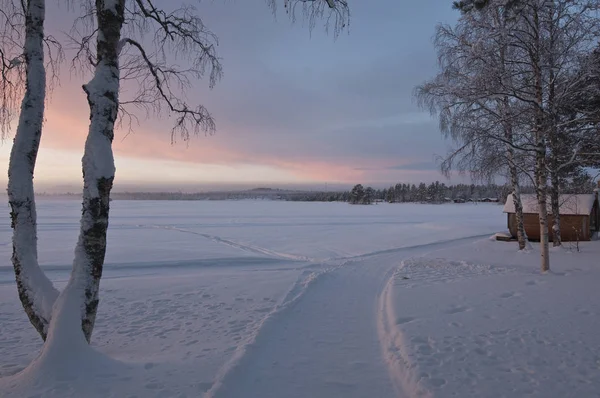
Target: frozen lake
[195, 294]
[145, 236]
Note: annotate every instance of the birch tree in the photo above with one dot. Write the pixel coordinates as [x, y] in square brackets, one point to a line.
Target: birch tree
[177, 32]
[23, 45]
[469, 97]
[573, 33]
[114, 45]
[535, 46]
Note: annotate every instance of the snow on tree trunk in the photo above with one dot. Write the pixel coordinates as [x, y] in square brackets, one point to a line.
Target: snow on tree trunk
[540, 139]
[542, 193]
[98, 174]
[555, 204]
[514, 175]
[553, 128]
[516, 196]
[36, 292]
[508, 132]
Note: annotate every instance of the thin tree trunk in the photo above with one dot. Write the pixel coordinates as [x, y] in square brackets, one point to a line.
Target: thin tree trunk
[542, 193]
[36, 292]
[514, 177]
[540, 138]
[553, 130]
[516, 196]
[508, 135]
[555, 204]
[98, 170]
[516, 188]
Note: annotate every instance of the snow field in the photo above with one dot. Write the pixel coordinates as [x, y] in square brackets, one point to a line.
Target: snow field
[272, 299]
[480, 320]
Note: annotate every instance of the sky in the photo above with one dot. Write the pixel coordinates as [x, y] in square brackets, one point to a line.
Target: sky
[294, 107]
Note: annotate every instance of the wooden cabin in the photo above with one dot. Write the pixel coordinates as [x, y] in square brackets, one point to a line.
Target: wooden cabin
[579, 217]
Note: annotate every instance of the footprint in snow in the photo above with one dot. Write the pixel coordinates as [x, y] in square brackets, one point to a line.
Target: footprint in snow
[534, 282]
[456, 310]
[509, 295]
[437, 382]
[408, 319]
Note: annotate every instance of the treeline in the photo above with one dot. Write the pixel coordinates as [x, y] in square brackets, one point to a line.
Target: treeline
[436, 192]
[257, 194]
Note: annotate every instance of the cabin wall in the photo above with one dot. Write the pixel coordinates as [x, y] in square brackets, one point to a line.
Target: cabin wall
[595, 217]
[572, 227]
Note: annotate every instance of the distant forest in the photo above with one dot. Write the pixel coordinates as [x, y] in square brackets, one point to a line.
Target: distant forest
[436, 192]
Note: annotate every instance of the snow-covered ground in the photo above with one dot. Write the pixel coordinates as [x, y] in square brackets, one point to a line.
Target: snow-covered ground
[279, 299]
[481, 320]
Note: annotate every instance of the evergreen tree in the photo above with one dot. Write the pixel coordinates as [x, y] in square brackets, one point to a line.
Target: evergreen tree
[369, 196]
[357, 194]
[390, 195]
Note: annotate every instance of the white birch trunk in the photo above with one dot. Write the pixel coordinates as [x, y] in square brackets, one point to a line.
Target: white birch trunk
[555, 205]
[502, 18]
[516, 196]
[542, 192]
[98, 174]
[540, 138]
[554, 177]
[542, 196]
[36, 292]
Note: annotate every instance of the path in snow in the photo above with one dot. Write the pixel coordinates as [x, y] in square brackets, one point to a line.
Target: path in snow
[327, 343]
[248, 248]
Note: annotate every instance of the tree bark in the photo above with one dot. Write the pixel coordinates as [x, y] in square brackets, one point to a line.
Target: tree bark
[516, 196]
[553, 130]
[36, 292]
[555, 205]
[542, 193]
[98, 168]
[505, 107]
[540, 139]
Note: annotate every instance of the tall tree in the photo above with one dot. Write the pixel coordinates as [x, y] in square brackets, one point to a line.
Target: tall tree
[36, 292]
[357, 195]
[470, 97]
[111, 54]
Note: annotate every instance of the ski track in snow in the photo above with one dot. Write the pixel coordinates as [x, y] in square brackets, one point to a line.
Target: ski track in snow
[294, 294]
[402, 371]
[267, 363]
[237, 245]
[420, 246]
[285, 256]
[351, 276]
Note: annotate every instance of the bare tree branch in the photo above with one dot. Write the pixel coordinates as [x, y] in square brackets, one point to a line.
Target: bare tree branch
[335, 13]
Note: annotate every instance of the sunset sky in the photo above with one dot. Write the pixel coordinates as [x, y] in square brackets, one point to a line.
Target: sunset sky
[292, 107]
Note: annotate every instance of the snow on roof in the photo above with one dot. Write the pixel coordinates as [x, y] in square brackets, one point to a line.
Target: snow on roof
[569, 204]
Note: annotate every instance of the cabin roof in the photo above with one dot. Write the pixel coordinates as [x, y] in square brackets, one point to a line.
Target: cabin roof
[569, 204]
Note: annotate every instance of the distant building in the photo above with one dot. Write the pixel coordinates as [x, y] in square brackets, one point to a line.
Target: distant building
[490, 200]
[579, 217]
